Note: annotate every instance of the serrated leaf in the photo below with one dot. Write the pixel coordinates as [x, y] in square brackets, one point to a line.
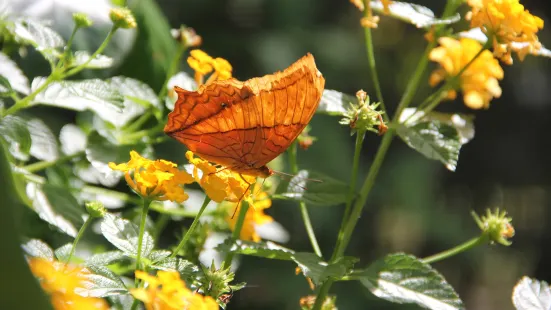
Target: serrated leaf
[418, 15]
[62, 253]
[158, 255]
[334, 102]
[38, 248]
[317, 189]
[188, 270]
[123, 234]
[98, 62]
[433, 139]
[14, 131]
[101, 282]
[403, 278]
[137, 97]
[105, 258]
[101, 152]
[531, 294]
[43, 38]
[57, 207]
[73, 139]
[44, 143]
[14, 76]
[95, 95]
[463, 123]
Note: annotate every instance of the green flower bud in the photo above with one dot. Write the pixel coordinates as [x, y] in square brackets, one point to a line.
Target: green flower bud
[122, 18]
[496, 226]
[82, 20]
[95, 209]
[363, 116]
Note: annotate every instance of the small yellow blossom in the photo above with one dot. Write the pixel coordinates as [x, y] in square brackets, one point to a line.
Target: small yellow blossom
[386, 5]
[156, 180]
[203, 64]
[223, 68]
[307, 303]
[200, 61]
[167, 291]
[258, 201]
[220, 184]
[60, 280]
[509, 23]
[479, 82]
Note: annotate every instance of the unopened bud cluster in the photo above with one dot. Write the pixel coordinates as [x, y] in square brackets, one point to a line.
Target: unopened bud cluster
[187, 36]
[497, 226]
[364, 116]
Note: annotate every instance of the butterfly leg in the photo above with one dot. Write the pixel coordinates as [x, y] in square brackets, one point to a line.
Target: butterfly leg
[244, 193]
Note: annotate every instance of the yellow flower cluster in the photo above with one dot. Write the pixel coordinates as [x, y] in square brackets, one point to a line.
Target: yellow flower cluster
[512, 27]
[155, 180]
[167, 291]
[258, 201]
[479, 82]
[204, 64]
[220, 184]
[60, 280]
[370, 20]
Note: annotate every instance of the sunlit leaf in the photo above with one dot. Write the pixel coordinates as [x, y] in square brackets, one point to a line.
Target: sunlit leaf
[73, 139]
[531, 294]
[188, 270]
[418, 15]
[158, 255]
[95, 95]
[123, 234]
[44, 143]
[182, 80]
[101, 282]
[435, 140]
[15, 133]
[402, 278]
[106, 258]
[57, 207]
[334, 102]
[316, 189]
[16, 78]
[38, 248]
[62, 253]
[98, 62]
[463, 123]
[43, 38]
[137, 97]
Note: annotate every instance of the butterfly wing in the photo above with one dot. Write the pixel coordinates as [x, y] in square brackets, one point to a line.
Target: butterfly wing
[247, 124]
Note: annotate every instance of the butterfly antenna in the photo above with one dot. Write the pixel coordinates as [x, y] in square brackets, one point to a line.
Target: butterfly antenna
[294, 175]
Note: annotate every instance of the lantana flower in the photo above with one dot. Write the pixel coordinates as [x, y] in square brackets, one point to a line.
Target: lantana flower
[258, 201]
[513, 28]
[204, 64]
[479, 82]
[154, 179]
[61, 281]
[167, 291]
[220, 184]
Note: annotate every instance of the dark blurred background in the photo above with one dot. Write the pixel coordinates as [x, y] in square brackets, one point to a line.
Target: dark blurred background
[417, 206]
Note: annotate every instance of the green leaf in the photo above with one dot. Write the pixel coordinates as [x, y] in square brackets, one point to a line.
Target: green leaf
[43, 38]
[98, 62]
[311, 265]
[11, 76]
[95, 95]
[158, 255]
[38, 248]
[334, 102]
[137, 97]
[316, 189]
[57, 207]
[106, 258]
[102, 282]
[403, 278]
[435, 140]
[417, 15]
[62, 253]
[15, 133]
[188, 270]
[183, 80]
[123, 234]
[73, 140]
[463, 123]
[531, 294]
[44, 143]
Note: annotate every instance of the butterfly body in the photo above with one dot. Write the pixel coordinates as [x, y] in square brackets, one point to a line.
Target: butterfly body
[245, 125]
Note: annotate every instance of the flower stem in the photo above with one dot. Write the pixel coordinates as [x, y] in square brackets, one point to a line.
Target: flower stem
[303, 209]
[61, 63]
[483, 238]
[237, 231]
[373, 68]
[172, 70]
[79, 234]
[191, 228]
[145, 208]
[34, 167]
[23, 103]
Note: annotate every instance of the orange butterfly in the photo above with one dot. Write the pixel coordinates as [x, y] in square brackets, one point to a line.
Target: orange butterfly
[245, 125]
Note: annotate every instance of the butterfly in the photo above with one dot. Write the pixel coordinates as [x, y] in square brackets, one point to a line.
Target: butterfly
[245, 125]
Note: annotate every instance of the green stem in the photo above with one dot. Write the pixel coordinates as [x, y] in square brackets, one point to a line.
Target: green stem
[143, 133]
[23, 103]
[373, 68]
[189, 232]
[79, 234]
[135, 125]
[237, 231]
[145, 208]
[482, 239]
[303, 209]
[172, 70]
[34, 167]
[67, 49]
